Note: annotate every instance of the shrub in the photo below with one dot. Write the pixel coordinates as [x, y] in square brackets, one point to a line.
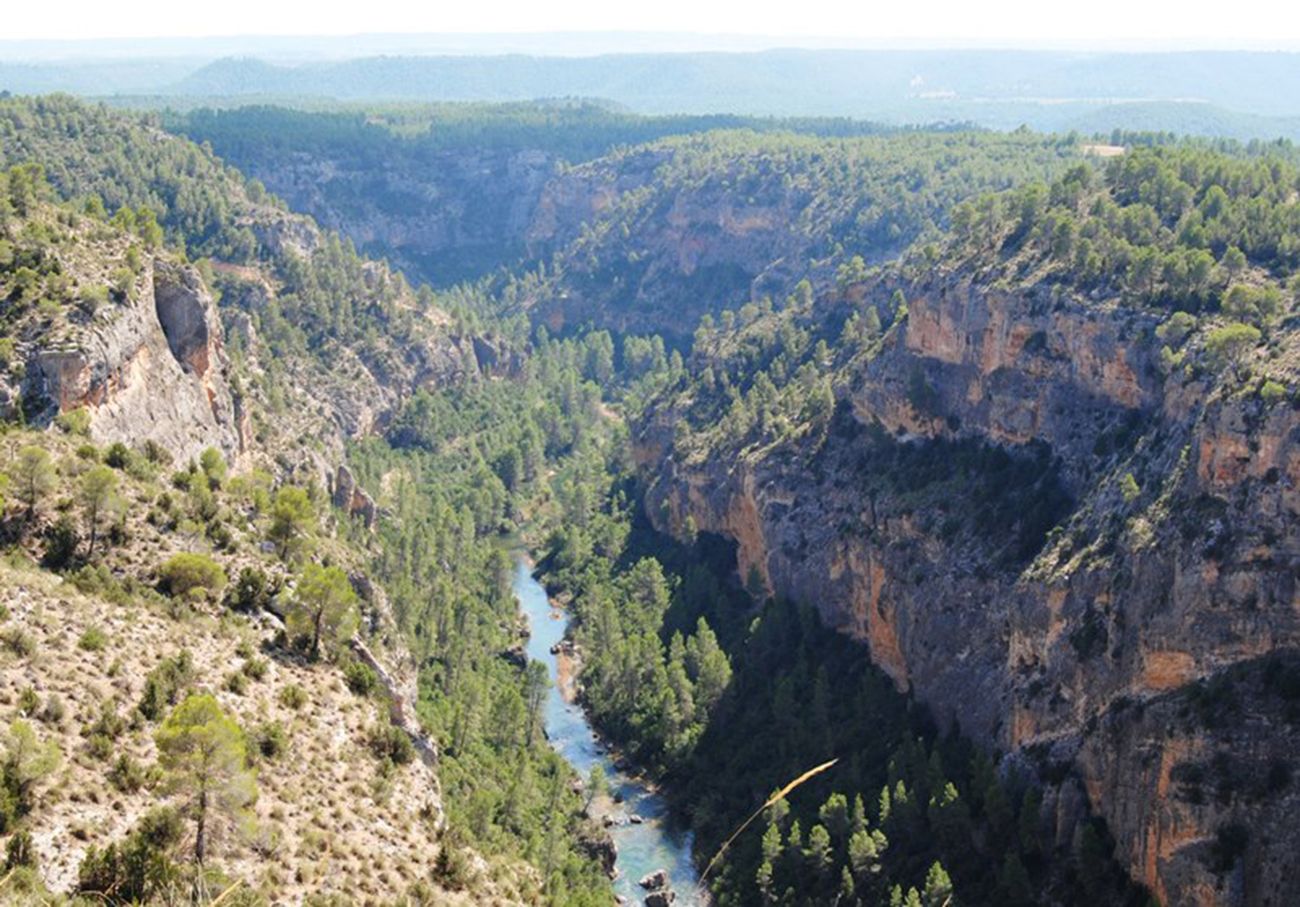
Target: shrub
[271, 739]
[18, 641]
[255, 668]
[1128, 487]
[221, 536]
[99, 747]
[361, 678]
[213, 466]
[99, 580]
[60, 544]
[187, 572]
[165, 684]
[155, 453]
[451, 869]
[54, 710]
[251, 592]
[126, 775]
[20, 852]
[74, 421]
[237, 683]
[1229, 345]
[137, 869]
[93, 640]
[28, 761]
[1272, 391]
[118, 455]
[29, 701]
[293, 697]
[93, 298]
[392, 743]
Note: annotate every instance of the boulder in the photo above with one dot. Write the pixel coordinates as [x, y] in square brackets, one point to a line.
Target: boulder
[655, 880]
[597, 844]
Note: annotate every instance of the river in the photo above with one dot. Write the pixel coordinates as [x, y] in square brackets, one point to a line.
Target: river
[642, 848]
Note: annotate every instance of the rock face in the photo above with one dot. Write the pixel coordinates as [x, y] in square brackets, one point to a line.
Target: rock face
[449, 215]
[351, 391]
[1147, 645]
[152, 368]
[669, 249]
[351, 498]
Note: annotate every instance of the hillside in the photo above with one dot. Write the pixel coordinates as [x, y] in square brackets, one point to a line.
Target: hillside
[1043, 472]
[645, 237]
[958, 465]
[447, 192]
[174, 490]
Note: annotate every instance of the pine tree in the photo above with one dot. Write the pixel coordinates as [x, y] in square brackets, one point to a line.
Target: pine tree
[97, 493]
[204, 756]
[834, 814]
[859, 821]
[938, 886]
[1013, 882]
[33, 477]
[323, 607]
[27, 761]
[820, 853]
[292, 517]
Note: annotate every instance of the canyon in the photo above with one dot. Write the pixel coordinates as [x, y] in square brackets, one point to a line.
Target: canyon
[1094, 652]
[1065, 535]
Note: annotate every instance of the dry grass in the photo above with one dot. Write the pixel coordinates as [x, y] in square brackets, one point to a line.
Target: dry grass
[320, 829]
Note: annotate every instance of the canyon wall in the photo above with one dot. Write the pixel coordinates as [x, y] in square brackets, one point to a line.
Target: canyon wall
[1144, 648]
[152, 368]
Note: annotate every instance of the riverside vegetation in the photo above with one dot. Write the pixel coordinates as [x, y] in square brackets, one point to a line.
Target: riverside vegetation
[267, 616]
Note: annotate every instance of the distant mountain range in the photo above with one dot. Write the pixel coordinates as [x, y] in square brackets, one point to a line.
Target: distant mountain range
[1220, 93]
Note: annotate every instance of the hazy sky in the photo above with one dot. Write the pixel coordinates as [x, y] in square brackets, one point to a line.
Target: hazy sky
[1100, 23]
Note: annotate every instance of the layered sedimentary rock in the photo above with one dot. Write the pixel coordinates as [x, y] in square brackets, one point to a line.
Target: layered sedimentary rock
[1146, 644]
[151, 368]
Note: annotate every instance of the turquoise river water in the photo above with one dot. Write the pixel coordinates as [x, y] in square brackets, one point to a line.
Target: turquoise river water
[642, 848]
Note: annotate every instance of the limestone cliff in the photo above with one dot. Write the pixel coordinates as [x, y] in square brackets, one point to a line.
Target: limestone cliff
[151, 367]
[1120, 649]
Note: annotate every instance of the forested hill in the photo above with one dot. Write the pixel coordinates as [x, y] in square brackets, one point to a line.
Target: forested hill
[631, 235]
[1044, 470]
[188, 558]
[449, 191]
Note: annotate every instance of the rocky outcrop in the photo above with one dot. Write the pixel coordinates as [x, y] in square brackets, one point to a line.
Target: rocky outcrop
[348, 391]
[352, 499]
[654, 880]
[1096, 646]
[596, 842]
[402, 693]
[151, 368]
